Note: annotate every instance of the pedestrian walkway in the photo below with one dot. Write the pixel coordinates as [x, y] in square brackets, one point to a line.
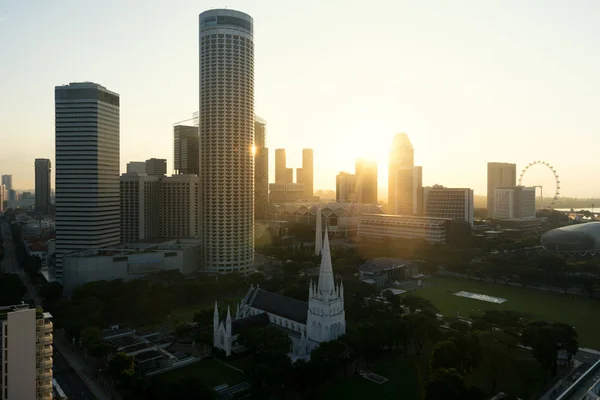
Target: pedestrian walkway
[78, 365]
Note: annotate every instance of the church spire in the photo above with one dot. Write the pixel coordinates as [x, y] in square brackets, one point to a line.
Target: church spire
[318, 233]
[326, 284]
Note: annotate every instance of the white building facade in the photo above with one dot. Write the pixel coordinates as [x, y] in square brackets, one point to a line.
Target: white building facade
[87, 169]
[179, 205]
[453, 203]
[226, 128]
[386, 226]
[514, 202]
[320, 320]
[26, 353]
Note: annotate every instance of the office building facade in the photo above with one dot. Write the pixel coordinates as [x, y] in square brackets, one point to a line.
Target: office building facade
[7, 182]
[186, 147]
[136, 167]
[366, 181]
[261, 169]
[156, 167]
[26, 353]
[87, 169]
[2, 197]
[282, 193]
[514, 203]
[43, 169]
[179, 205]
[139, 207]
[226, 139]
[499, 175]
[345, 188]
[305, 175]
[282, 173]
[452, 203]
[401, 176]
[386, 226]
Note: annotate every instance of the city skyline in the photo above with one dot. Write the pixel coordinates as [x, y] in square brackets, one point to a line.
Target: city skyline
[511, 95]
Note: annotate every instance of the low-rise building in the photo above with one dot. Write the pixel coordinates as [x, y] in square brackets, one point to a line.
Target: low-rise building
[26, 353]
[382, 271]
[387, 226]
[453, 203]
[514, 203]
[130, 261]
[281, 193]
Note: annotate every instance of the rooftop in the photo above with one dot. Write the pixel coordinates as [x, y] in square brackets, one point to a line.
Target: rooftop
[277, 304]
[383, 264]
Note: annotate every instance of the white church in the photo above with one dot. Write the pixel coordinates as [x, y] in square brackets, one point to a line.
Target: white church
[307, 324]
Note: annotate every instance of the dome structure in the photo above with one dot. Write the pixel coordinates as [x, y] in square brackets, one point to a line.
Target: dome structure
[573, 240]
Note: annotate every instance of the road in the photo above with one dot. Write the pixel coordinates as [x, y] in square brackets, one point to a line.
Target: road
[69, 374]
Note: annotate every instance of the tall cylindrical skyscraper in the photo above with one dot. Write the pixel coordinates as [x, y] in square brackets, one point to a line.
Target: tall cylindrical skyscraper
[226, 129]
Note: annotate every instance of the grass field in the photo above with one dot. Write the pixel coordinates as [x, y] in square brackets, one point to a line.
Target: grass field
[210, 372]
[576, 311]
[407, 376]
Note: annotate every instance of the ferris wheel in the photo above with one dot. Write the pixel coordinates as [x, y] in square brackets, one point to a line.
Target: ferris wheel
[557, 182]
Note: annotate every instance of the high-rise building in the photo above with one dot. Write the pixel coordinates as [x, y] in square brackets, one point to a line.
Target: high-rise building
[178, 206]
[418, 190]
[2, 196]
[43, 168]
[186, 149]
[26, 356]
[136, 167]
[156, 166]
[514, 202]
[282, 173]
[281, 193]
[261, 169]
[453, 203]
[400, 176]
[139, 207]
[499, 175]
[366, 181]
[345, 188]
[226, 140]
[305, 175]
[87, 169]
[7, 182]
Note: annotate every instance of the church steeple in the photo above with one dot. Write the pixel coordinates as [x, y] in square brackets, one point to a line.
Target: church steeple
[326, 284]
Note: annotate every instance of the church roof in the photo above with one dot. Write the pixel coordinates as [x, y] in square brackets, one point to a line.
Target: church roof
[276, 304]
[253, 321]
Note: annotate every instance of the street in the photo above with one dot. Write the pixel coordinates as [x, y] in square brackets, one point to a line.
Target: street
[69, 379]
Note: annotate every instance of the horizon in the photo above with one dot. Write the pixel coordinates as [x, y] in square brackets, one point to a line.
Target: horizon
[520, 80]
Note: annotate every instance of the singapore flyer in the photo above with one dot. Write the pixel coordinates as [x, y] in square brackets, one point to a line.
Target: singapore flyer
[547, 182]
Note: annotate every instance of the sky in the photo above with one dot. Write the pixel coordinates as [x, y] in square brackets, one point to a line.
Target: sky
[468, 81]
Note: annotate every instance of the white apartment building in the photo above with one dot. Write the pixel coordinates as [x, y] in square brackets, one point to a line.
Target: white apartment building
[87, 169]
[514, 202]
[226, 114]
[179, 204]
[140, 196]
[386, 226]
[26, 353]
[453, 203]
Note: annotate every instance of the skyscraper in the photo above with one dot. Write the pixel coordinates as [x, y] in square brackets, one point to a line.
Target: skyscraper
[499, 175]
[87, 169]
[139, 207]
[7, 182]
[418, 190]
[261, 169]
[42, 184]
[156, 166]
[226, 138]
[443, 202]
[136, 167]
[400, 176]
[345, 188]
[366, 181]
[282, 173]
[305, 174]
[186, 147]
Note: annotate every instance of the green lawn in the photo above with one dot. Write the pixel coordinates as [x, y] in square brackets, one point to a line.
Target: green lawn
[407, 376]
[579, 312]
[209, 371]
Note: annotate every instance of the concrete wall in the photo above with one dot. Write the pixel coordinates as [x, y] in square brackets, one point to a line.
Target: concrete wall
[21, 354]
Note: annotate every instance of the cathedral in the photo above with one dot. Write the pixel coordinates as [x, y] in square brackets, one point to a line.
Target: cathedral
[307, 324]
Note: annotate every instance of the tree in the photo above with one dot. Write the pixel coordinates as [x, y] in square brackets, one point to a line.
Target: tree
[423, 329]
[330, 356]
[546, 340]
[50, 292]
[90, 336]
[12, 289]
[445, 356]
[589, 284]
[414, 303]
[266, 344]
[100, 349]
[121, 364]
[446, 384]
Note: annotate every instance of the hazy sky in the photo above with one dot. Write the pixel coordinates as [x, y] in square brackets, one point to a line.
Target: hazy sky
[469, 81]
